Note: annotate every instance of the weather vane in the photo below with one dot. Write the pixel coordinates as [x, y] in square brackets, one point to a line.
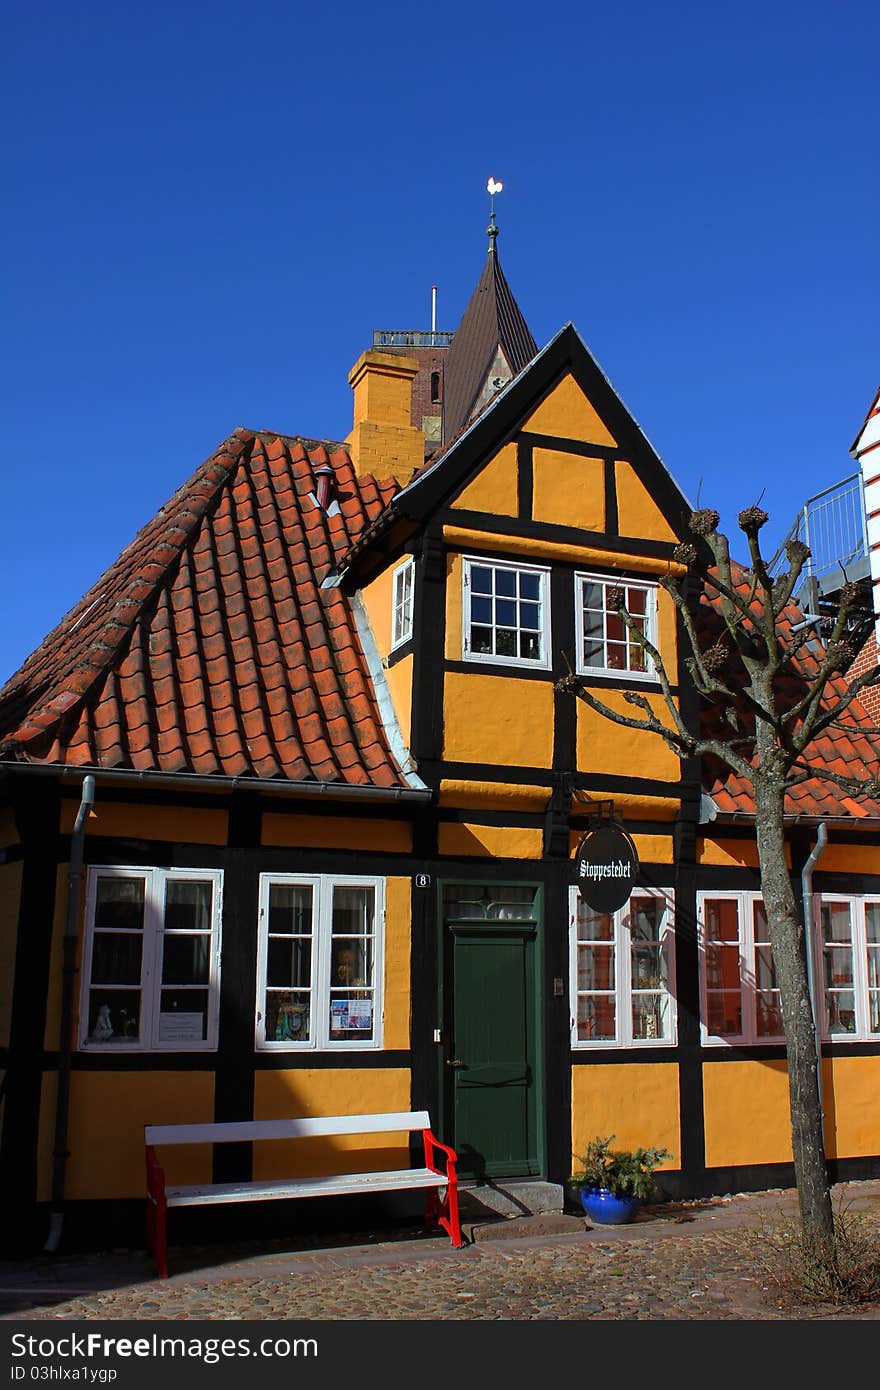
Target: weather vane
[492, 187]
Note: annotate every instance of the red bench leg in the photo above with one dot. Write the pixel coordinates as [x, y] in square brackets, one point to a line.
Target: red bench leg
[446, 1214]
[157, 1221]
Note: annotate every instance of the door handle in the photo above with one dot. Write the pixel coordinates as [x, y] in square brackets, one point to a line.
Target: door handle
[455, 1062]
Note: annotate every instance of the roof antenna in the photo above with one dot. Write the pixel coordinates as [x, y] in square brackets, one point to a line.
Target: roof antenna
[492, 187]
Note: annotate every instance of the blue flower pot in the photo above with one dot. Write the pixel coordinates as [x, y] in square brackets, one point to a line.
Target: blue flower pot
[603, 1207]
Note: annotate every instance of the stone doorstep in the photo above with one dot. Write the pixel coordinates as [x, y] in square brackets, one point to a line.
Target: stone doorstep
[490, 1211]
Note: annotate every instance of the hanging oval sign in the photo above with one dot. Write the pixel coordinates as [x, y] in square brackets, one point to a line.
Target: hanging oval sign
[605, 867]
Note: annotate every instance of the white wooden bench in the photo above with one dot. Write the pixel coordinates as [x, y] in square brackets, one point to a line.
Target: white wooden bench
[439, 1180]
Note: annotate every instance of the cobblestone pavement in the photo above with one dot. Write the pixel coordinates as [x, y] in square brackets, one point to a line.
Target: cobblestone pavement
[680, 1261]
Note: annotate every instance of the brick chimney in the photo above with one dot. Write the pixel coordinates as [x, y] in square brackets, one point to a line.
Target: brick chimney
[383, 442]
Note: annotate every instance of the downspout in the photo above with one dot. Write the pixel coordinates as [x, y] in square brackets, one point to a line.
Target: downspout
[68, 968]
[807, 896]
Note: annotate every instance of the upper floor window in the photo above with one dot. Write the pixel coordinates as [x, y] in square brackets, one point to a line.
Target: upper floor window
[402, 618]
[505, 610]
[151, 967]
[621, 972]
[604, 643]
[319, 962]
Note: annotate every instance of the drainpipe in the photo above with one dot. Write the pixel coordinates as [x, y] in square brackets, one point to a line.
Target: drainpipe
[807, 894]
[62, 1103]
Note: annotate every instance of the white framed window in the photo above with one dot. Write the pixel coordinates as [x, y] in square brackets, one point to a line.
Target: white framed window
[849, 966]
[602, 639]
[505, 613]
[319, 962]
[739, 995]
[622, 972]
[151, 960]
[402, 614]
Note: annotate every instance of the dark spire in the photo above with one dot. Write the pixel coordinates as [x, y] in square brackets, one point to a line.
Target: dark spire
[491, 345]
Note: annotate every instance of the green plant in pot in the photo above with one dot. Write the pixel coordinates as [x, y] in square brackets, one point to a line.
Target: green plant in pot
[614, 1182]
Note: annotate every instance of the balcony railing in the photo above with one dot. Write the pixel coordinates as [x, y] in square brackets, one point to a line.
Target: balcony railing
[834, 526]
[413, 338]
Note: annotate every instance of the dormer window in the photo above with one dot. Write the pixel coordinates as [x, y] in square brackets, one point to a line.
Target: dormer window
[505, 610]
[402, 616]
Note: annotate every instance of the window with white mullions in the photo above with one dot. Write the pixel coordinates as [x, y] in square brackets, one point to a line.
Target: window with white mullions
[872, 964]
[739, 990]
[319, 962]
[151, 964]
[605, 643]
[849, 946]
[402, 621]
[622, 992]
[505, 613]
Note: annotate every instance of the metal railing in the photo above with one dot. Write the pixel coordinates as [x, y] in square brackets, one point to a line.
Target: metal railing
[407, 337]
[834, 525]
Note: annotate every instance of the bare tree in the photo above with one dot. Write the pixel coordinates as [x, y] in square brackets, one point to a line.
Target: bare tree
[767, 705]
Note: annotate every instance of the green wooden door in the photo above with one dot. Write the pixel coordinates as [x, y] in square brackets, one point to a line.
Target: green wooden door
[491, 1057]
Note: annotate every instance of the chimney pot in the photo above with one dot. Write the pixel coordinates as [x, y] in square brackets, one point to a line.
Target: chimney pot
[324, 485]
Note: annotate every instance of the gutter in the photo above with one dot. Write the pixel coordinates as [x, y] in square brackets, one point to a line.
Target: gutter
[195, 781]
[807, 895]
[68, 968]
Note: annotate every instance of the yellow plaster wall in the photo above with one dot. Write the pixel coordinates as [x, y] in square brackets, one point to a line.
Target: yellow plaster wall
[746, 1113]
[495, 488]
[497, 841]
[603, 746]
[508, 796]
[399, 678]
[568, 490]
[729, 853]
[567, 413]
[10, 893]
[108, 1111]
[667, 641]
[497, 719]
[182, 824]
[637, 1104]
[327, 832]
[654, 849]
[300, 1093]
[454, 649]
[542, 552]
[637, 512]
[849, 859]
[850, 1086]
[398, 946]
[377, 597]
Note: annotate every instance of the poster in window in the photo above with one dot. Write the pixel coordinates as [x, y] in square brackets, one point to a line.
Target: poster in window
[360, 1013]
[346, 1015]
[181, 1027]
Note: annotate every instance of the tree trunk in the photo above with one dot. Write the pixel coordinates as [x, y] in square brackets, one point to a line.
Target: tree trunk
[787, 938]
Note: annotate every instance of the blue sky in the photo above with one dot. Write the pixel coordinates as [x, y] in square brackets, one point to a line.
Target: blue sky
[209, 208]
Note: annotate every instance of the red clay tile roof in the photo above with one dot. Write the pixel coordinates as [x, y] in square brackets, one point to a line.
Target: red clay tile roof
[851, 750]
[209, 646]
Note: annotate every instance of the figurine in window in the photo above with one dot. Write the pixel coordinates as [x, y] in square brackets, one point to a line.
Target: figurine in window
[346, 969]
[103, 1028]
